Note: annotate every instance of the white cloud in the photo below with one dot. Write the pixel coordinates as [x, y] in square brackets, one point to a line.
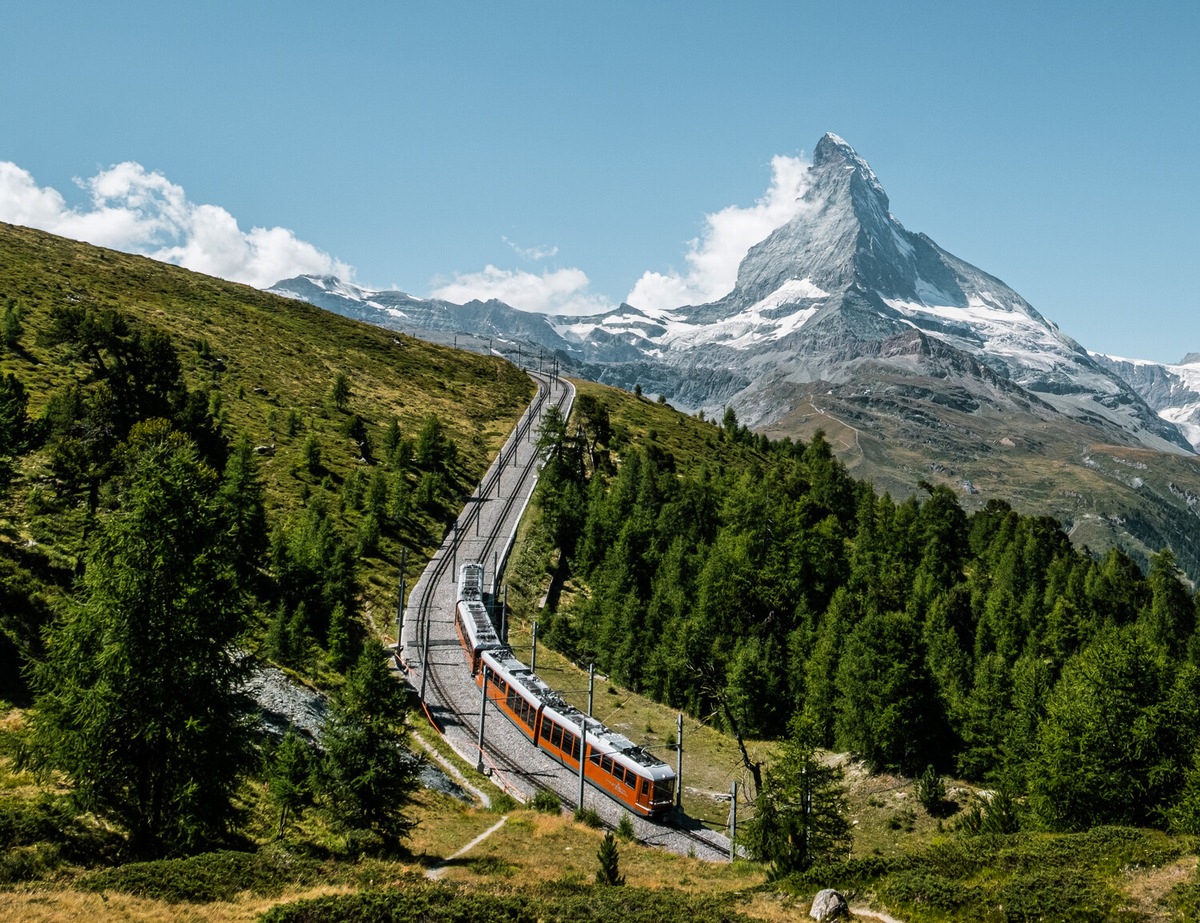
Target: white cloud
[559, 291]
[713, 258]
[531, 253]
[137, 211]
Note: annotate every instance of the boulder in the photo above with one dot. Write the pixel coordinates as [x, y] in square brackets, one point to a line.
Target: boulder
[829, 905]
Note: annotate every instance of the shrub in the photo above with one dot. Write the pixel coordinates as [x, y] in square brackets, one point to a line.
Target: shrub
[546, 801]
[931, 792]
[214, 876]
[442, 903]
[502, 803]
[625, 827]
[588, 817]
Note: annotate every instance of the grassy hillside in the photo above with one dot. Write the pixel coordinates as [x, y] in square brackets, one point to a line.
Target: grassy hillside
[267, 366]
[1106, 495]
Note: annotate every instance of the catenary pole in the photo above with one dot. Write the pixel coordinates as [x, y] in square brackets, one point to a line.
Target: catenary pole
[425, 656]
[732, 819]
[482, 713]
[679, 761]
[400, 603]
[582, 758]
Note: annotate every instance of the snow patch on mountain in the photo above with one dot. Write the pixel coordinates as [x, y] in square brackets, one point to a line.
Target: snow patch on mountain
[1172, 391]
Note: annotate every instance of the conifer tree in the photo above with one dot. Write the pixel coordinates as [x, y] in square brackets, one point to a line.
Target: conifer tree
[137, 700]
[290, 778]
[340, 392]
[366, 777]
[14, 424]
[800, 813]
[609, 872]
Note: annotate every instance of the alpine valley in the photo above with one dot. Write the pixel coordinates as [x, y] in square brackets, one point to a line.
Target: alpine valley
[917, 366]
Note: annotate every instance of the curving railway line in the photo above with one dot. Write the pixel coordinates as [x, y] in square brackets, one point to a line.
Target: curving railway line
[433, 660]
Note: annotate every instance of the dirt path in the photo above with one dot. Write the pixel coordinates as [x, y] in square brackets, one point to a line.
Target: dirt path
[436, 873]
[480, 795]
[864, 913]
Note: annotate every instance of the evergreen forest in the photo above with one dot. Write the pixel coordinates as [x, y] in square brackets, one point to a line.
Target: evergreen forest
[910, 633]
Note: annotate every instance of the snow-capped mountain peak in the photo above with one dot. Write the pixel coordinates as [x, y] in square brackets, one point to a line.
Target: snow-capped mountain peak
[841, 282]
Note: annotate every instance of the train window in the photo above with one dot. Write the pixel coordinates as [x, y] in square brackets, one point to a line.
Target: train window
[570, 744]
[556, 736]
[546, 725]
[645, 786]
[606, 764]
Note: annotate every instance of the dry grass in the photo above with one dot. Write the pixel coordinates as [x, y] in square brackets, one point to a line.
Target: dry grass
[67, 906]
[1145, 887]
[529, 845]
[887, 818]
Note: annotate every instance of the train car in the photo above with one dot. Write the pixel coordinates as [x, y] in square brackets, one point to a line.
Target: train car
[623, 771]
[515, 689]
[474, 625]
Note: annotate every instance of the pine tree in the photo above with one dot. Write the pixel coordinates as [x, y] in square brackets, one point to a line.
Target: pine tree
[340, 392]
[800, 813]
[137, 700]
[290, 778]
[14, 424]
[367, 778]
[609, 872]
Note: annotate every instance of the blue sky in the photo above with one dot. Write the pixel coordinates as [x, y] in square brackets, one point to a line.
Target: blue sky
[559, 151]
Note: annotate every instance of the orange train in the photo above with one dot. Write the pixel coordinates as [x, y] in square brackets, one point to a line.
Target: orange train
[615, 765]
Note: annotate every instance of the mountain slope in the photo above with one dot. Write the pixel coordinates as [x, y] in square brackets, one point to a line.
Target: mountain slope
[844, 280]
[1173, 391]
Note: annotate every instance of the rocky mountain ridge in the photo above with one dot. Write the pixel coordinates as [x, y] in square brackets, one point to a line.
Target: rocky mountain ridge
[917, 365]
[1172, 391]
[840, 283]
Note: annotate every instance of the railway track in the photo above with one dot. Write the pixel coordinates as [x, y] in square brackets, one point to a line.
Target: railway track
[433, 657]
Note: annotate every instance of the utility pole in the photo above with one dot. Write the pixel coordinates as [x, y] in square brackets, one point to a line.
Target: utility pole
[495, 571]
[582, 758]
[482, 713]
[453, 551]
[504, 616]
[400, 604]
[591, 686]
[732, 819]
[679, 761]
[533, 654]
[425, 656]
